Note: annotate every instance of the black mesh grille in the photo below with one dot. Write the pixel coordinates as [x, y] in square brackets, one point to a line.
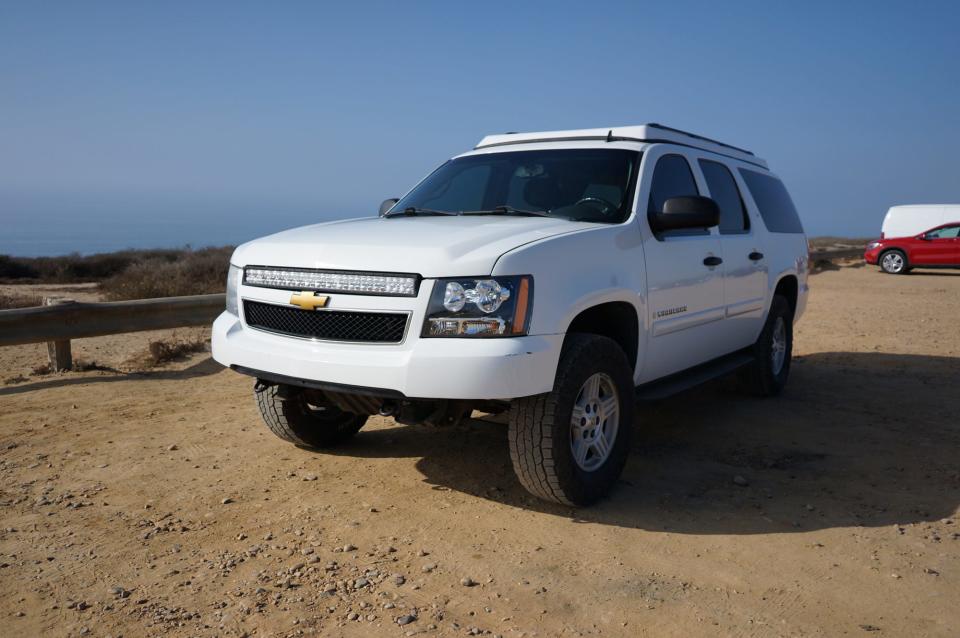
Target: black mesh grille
[332, 325]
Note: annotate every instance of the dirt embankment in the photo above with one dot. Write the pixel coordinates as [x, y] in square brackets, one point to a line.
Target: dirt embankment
[157, 504]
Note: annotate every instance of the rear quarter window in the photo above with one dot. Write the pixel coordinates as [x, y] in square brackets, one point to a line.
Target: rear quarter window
[771, 196]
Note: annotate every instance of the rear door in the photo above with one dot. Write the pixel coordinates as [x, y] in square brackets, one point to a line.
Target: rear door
[744, 263]
[937, 247]
[684, 273]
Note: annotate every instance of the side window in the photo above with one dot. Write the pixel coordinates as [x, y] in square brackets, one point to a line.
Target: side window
[724, 191]
[671, 178]
[949, 232]
[773, 200]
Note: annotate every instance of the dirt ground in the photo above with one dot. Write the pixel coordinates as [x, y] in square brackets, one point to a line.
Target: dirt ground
[157, 504]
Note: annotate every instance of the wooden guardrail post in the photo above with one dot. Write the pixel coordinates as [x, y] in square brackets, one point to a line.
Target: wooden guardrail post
[61, 358]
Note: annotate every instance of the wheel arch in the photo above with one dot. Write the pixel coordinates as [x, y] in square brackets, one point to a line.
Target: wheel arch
[617, 320]
[788, 286]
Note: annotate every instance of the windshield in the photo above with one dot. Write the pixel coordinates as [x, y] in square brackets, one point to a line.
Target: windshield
[593, 185]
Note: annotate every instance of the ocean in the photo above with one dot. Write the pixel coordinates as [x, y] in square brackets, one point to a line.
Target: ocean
[90, 229]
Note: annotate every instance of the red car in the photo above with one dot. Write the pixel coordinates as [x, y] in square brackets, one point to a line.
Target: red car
[936, 248]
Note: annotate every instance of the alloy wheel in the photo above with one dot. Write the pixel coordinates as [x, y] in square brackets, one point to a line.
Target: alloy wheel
[594, 422]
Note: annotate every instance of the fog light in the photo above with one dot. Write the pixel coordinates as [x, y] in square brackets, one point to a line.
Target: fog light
[456, 327]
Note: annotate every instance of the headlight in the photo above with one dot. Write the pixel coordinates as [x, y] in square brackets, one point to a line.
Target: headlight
[479, 307]
[233, 292]
[873, 245]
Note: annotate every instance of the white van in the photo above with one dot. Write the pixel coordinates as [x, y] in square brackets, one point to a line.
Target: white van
[911, 220]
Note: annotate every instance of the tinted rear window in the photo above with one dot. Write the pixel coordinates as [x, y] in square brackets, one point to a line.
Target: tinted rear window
[773, 200]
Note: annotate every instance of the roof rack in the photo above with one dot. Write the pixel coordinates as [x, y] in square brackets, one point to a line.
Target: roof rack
[697, 137]
[650, 133]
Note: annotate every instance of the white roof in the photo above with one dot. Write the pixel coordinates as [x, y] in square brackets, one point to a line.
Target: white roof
[923, 206]
[646, 133]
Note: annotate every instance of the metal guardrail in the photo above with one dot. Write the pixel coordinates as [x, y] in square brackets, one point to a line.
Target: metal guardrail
[60, 320]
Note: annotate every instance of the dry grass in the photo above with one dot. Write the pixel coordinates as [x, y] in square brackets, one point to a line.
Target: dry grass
[191, 273]
[828, 242]
[172, 349]
[128, 274]
[8, 301]
[79, 365]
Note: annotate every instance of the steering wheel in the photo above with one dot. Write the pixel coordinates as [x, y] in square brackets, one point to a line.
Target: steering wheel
[607, 207]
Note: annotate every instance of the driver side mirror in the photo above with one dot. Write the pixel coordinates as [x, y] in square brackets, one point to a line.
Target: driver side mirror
[387, 205]
[686, 213]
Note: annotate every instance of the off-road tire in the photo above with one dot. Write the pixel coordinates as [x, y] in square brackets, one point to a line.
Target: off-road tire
[540, 429]
[303, 418]
[759, 377]
[903, 270]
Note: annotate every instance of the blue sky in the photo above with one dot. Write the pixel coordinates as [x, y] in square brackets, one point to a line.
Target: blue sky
[139, 124]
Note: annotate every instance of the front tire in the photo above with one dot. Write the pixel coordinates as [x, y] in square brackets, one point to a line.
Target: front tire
[773, 351]
[570, 445]
[304, 417]
[894, 262]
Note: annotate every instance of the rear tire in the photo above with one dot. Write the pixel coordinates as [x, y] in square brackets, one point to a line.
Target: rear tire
[768, 373]
[894, 262]
[570, 445]
[304, 417]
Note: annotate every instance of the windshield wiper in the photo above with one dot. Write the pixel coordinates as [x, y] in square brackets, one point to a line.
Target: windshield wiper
[415, 210]
[509, 210]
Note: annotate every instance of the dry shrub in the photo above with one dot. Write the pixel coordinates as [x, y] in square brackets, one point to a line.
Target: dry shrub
[821, 265]
[91, 268]
[166, 350]
[82, 365]
[8, 301]
[191, 273]
[41, 370]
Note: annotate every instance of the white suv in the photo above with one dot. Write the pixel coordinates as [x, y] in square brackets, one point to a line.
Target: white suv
[557, 276]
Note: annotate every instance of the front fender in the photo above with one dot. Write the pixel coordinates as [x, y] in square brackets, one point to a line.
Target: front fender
[576, 271]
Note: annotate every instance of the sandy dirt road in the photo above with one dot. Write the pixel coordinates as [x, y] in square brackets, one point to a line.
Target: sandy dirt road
[157, 504]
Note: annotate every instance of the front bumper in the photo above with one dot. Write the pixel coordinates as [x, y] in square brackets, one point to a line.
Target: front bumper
[872, 256]
[481, 369]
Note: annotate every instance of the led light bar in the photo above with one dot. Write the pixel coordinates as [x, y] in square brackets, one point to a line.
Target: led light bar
[357, 283]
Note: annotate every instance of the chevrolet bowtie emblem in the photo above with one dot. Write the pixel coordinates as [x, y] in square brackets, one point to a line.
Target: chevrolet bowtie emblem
[309, 300]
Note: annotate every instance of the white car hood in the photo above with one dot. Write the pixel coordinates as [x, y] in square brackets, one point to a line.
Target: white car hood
[431, 246]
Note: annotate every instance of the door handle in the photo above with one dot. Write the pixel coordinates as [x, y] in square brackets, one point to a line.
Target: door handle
[755, 256]
[712, 261]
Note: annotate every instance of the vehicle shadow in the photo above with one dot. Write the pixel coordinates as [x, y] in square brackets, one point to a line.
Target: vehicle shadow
[857, 439]
[206, 366]
[933, 272]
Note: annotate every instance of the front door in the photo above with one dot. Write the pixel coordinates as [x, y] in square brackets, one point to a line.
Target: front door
[937, 247]
[684, 276]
